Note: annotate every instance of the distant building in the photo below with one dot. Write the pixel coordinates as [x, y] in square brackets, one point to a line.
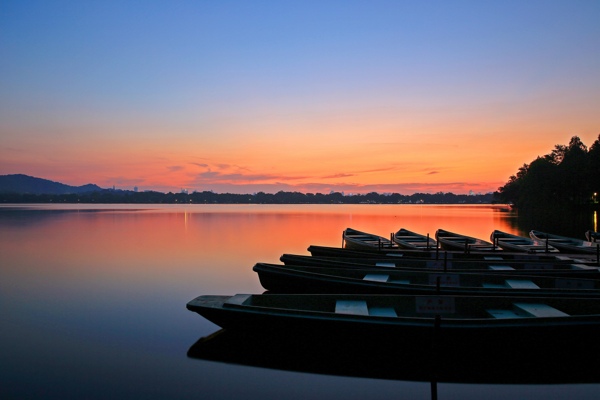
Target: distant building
[135, 189]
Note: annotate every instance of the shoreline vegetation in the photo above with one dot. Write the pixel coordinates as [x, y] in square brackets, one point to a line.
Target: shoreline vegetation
[566, 179]
[110, 196]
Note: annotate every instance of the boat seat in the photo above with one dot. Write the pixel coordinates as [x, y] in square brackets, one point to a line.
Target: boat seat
[493, 286]
[564, 258]
[400, 281]
[382, 312]
[355, 307]
[539, 310]
[521, 284]
[500, 314]
[376, 277]
[500, 267]
[583, 266]
[385, 264]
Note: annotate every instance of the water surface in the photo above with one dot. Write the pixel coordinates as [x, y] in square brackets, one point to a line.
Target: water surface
[92, 298]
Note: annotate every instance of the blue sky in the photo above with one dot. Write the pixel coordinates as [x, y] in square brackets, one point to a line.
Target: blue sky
[166, 94]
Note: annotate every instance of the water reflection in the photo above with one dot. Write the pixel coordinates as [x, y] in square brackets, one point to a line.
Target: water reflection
[344, 356]
[571, 223]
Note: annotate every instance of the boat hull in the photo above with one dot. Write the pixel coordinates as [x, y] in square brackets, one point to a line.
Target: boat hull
[457, 242]
[510, 242]
[441, 326]
[566, 244]
[357, 240]
[300, 279]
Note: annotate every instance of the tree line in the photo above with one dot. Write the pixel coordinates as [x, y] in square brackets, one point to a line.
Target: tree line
[566, 178]
[209, 197]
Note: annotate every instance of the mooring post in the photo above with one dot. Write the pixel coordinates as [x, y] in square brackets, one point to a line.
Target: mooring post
[434, 355]
[445, 261]
[427, 241]
[436, 332]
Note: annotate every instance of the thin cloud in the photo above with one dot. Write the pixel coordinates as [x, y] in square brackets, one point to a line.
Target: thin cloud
[341, 175]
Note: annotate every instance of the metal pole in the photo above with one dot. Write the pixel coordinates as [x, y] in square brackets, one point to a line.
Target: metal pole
[445, 261]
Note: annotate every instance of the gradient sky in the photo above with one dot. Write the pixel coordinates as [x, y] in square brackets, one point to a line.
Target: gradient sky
[310, 96]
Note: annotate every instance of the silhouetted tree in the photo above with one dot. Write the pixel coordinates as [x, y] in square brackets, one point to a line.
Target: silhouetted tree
[594, 168]
[567, 176]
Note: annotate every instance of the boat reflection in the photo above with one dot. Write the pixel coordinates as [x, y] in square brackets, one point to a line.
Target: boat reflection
[319, 354]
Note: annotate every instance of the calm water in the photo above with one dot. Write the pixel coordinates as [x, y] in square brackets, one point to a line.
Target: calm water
[92, 299]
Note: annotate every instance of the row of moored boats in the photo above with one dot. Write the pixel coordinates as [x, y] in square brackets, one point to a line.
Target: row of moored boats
[410, 289]
[537, 242]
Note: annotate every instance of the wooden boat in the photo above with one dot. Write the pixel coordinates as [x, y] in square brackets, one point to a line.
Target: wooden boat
[592, 236]
[415, 241]
[438, 254]
[565, 244]
[520, 267]
[455, 241]
[302, 279]
[511, 242]
[354, 239]
[515, 323]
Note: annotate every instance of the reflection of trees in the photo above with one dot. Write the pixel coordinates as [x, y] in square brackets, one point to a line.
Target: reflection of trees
[568, 177]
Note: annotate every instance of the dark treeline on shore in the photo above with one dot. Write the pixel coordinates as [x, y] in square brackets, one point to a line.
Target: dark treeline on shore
[207, 197]
[568, 178]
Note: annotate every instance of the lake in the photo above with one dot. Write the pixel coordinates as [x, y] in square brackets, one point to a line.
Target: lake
[93, 297]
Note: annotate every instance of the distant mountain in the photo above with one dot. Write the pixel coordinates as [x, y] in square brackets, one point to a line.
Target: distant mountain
[20, 183]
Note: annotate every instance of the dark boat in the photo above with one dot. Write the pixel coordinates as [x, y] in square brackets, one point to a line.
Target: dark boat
[277, 278]
[406, 321]
[565, 244]
[438, 254]
[414, 241]
[511, 242]
[522, 267]
[458, 242]
[354, 239]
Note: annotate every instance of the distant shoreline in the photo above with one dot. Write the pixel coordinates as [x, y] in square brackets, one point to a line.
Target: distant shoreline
[128, 197]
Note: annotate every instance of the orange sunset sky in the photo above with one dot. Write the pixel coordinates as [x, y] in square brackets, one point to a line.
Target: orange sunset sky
[310, 96]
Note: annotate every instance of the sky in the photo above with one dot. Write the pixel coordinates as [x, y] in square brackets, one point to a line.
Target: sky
[309, 96]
